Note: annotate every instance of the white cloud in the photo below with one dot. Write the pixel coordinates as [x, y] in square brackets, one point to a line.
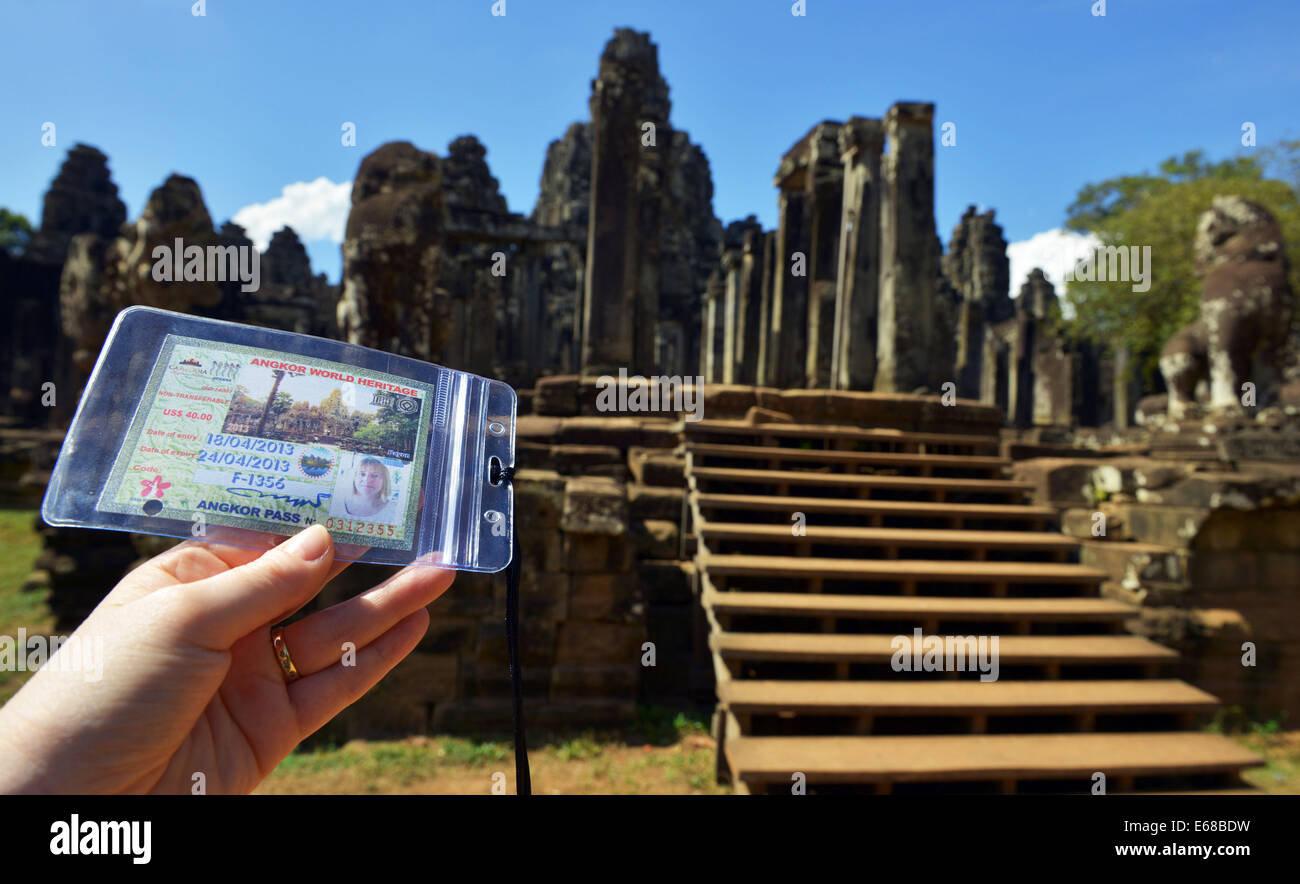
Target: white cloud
[316, 210]
[1055, 251]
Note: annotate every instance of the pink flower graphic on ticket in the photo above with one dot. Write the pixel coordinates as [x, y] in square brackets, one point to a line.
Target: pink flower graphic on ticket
[156, 485]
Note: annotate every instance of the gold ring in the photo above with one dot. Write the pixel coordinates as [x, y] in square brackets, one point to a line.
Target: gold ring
[282, 654]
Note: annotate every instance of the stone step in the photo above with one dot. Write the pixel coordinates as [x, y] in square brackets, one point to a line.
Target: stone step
[906, 439]
[876, 509]
[915, 570]
[1199, 792]
[992, 465]
[919, 608]
[937, 487]
[904, 538]
[1030, 650]
[904, 759]
[1162, 696]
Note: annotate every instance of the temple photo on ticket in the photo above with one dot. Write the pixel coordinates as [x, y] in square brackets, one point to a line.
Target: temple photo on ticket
[295, 406]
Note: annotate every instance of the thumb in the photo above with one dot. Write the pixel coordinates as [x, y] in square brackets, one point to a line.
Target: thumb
[218, 611]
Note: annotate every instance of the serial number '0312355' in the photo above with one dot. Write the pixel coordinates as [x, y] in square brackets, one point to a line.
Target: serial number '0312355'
[354, 527]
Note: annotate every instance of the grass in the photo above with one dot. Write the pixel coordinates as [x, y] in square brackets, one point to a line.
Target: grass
[666, 752]
[1280, 748]
[20, 608]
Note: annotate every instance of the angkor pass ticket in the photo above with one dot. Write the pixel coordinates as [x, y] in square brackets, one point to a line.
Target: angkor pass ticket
[233, 435]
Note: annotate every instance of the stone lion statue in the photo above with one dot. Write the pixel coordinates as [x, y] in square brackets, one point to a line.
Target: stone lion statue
[1246, 307]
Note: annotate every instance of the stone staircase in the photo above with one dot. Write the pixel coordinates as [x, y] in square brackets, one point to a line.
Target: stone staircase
[825, 552]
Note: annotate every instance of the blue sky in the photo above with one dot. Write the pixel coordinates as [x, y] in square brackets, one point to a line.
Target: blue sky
[249, 99]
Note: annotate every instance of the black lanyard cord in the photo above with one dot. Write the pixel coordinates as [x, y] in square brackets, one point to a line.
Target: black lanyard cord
[523, 779]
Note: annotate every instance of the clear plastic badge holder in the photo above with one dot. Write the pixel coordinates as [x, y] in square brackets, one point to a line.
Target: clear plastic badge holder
[230, 433]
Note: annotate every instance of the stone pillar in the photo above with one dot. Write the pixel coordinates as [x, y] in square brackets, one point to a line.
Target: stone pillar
[749, 307]
[731, 261]
[826, 193]
[712, 339]
[1020, 409]
[787, 339]
[1120, 390]
[528, 320]
[762, 368]
[668, 346]
[621, 292]
[853, 360]
[970, 348]
[908, 258]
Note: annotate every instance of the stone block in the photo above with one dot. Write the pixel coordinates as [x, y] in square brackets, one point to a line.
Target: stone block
[595, 506]
[448, 634]
[532, 455]
[1280, 570]
[538, 429]
[758, 415]
[1214, 571]
[1271, 615]
[671, 681]
[599, 680]
[543, 595]
[556, 395]
[1079, 522]
[610, 597]
[1263, 529]
[805, 406]
[660, 433]
[536, 642]
[1171, 526]
[589, 642]
[402, 703]
[672, 629]
[1133, 564]
[652, 466]
[541, 549]
[666, 581]
[483, 717]
[488, 716]
[654, 538]
[538, 498]
[470, 595]
[1241, 491]
[579, 459]
[728, 401]
[650, 502]
[620, 432]
[492, 681]
[585, 553]
[583, 713]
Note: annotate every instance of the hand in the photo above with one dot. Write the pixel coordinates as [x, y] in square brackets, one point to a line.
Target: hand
[190, 683]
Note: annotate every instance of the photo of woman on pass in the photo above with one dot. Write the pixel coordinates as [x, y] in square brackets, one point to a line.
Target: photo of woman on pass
[368, 491]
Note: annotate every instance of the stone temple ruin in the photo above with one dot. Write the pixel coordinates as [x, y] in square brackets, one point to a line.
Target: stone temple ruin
[621, 264]
[822, 349]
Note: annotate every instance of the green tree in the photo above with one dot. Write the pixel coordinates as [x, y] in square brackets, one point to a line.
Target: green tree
[15, 232]
[280, 404]
[1161, 211]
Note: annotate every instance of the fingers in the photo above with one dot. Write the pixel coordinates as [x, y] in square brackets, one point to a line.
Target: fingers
[316, 642]
[217, 611]
[324, 695]
[186, 562]
[190, 562]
